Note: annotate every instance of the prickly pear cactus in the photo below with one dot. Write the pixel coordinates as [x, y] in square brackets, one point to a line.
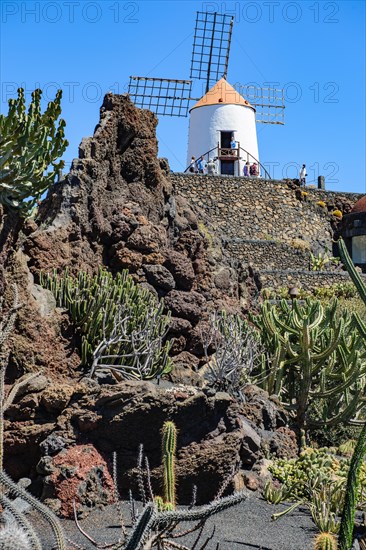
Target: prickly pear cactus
[325, 541]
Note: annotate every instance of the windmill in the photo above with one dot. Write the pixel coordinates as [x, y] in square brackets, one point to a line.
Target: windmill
[224, 113]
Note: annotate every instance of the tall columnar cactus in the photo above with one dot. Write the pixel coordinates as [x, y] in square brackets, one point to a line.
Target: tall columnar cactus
[122, 326]
[315, 359]
[169, 446]
[353, 480]
[30, 144]
[325, 541]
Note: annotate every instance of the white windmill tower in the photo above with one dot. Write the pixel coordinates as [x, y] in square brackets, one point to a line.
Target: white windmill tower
[220, 116]
[223, 112]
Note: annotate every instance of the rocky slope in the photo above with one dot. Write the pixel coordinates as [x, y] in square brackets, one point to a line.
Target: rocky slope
[117, 208]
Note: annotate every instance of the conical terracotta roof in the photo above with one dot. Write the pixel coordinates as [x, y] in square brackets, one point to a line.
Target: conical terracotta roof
[222, 93]
[360, 206]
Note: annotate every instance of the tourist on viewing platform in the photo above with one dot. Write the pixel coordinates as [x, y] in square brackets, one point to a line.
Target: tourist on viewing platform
[253, 170]
[193, 166]
[201, 165]
[303, 175]
[246, 170]
[211, 168]
[232, 143]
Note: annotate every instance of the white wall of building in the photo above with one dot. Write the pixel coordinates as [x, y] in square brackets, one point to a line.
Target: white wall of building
[207, 121]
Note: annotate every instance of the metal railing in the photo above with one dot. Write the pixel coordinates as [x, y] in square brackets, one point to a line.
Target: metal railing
[227, 154]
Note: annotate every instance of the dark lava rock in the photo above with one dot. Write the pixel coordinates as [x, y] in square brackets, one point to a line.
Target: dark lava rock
[159, 276]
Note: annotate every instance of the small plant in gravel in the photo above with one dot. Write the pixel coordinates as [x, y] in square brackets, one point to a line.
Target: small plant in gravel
[325, 541]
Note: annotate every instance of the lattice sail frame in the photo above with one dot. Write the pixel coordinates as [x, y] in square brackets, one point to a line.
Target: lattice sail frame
[269, 102]
[163, 96]
[211, 47]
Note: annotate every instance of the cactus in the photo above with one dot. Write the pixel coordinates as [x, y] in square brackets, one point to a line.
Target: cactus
[121, 324]
[169, 445]
[30, 143]
[353, 480]
[325, 541]
[12, 536]
[316, 358]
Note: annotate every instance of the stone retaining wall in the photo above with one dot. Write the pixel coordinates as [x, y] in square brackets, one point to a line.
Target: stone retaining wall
[268, 254]
[238, 207]
[301, 279]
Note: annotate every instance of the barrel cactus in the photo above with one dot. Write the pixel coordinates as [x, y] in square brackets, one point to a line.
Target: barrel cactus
[325, 541]
[12, 536]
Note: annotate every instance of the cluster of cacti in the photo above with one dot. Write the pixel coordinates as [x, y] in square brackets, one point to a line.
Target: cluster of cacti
[316, 361]
[30, 144]
[325, 541]
[318, 263]
[276, 493]
[357, 460]
[312, 466]
[158, 524]
[122, 326]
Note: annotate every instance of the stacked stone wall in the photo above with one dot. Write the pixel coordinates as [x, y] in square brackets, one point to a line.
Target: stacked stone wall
[300, 279]
[271, 254]
[257, 209]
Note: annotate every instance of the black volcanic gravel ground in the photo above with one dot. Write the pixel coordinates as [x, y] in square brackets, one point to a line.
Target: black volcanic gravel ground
[247, 526]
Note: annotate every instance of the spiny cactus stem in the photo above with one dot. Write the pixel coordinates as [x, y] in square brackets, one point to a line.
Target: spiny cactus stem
[22, 521]
[350, 501]
[169, 445]
[357, 281]
[41, 508]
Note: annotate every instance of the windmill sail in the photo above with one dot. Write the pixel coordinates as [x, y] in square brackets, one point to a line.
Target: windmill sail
[211, 47]
[269, 102]
[163, 96]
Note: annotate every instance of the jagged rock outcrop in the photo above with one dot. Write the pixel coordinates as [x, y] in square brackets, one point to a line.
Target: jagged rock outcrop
[117, 208]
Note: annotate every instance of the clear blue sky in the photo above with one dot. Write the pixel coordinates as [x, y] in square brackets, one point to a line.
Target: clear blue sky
[315, 50]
